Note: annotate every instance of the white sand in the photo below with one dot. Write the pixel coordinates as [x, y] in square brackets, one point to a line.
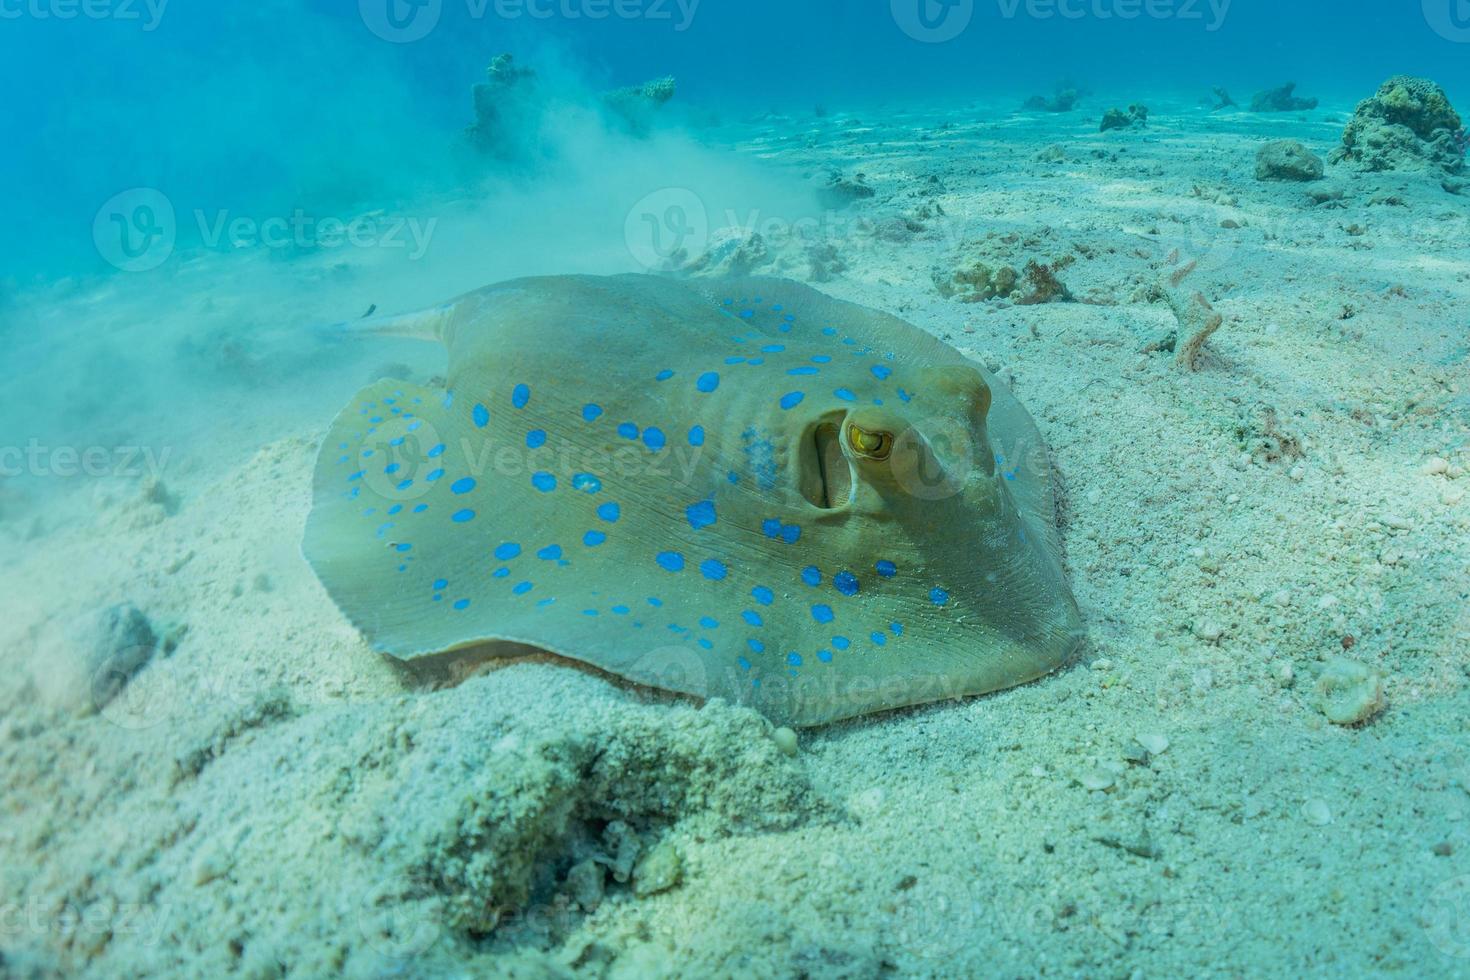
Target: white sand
[274, 799]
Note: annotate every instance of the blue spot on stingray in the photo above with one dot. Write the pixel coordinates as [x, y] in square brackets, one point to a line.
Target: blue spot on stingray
[881, 373]
[708, 382]
[696, 436]
[805, 370]
[706, 644]
[654, 438]
[772, 349]
[752, 617]
[481, 415]
[845, 394]
[825, 656]
[586, 482]
[792, 399]
[846, 583]
[734, 360]
[396, 442]
[763, 595]
[822, 613]
[663, 376]
[433, 475]
[709, 623]
[756, 646]
[551, 552]
[356, 476]
[904, 396]
[811, 575]
[732, 476]
[437, 451]
[421, 508]
[442, 583]
[794, 659]
[897, 628]
[886, 568]
[463, 517]
[628, 430]
[744, 664]
[500, 573]
[590, 412]
[879, 639]
[938, 596]
[671, 561]
[790, 533]
[609, 512]
[520, 396]
[655, 602]
[405, 484]
[701, 515]
[713, 570]
[823, 358]
[621, 610]
[593, 538]
[462, 486]
[841, 642]
[462, 604]
[507, 551]
[521, 588]
[535, 439]
[544, 482]
[392, 468]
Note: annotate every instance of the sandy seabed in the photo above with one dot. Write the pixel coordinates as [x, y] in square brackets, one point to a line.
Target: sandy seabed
[273, 799]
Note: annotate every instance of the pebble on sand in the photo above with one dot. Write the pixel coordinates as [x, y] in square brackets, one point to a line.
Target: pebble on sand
[1348, 692]
[1317, 813]
[659, 870]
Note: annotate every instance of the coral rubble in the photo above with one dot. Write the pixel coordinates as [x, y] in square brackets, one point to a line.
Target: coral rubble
[503, 104]
[1136, 116]
[636, 106]
[1281, 99]
[1408, 125]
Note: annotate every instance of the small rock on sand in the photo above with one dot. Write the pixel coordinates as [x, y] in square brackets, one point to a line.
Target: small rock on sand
[1288, 160]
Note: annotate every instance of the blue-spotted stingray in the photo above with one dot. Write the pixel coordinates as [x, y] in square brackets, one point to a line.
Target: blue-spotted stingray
[741, 489]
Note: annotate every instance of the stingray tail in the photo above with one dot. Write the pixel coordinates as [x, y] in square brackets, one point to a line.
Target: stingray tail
[427, 324]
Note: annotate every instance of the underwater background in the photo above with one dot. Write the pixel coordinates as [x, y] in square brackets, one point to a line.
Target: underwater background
[1239, 312]
[277, 105]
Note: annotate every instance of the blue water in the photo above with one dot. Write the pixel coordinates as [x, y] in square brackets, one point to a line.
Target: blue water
[264, 107]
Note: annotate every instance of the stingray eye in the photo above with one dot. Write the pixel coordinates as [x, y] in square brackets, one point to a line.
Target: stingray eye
[873, 445]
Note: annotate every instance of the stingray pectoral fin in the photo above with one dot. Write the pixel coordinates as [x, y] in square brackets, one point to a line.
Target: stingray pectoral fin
[443, 521]
[388, 520]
